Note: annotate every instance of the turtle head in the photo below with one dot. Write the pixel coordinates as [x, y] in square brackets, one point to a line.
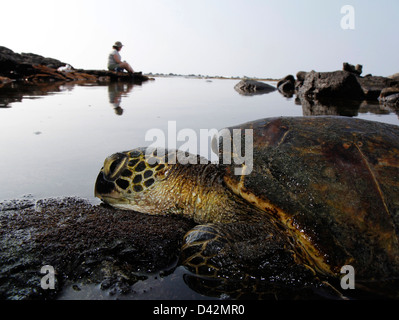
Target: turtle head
[128, 179]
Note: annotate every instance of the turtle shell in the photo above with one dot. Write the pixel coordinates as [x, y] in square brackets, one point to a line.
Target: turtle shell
[334, 182]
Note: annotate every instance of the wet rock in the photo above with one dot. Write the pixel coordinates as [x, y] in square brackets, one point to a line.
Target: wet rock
[34, 68]
[287, 85]
[301, 75]
[394, 76]
[392, 99]
[45, 74]
[329, 108]
[390, 96]
[389, 91]
[300, 78]
[14, 64]
[110, 76]
[84, 243]
[290, 78]
[252, 87]
[327, 85]
[372, 86]
[346, 85]
[4, 80]
[35, 59]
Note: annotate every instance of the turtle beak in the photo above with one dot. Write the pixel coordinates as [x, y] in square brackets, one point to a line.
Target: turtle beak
[107, 192]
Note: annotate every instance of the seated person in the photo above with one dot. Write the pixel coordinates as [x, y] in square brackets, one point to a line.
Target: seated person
[115, 62]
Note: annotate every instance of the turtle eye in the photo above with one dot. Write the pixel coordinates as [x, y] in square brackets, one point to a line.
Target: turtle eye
[113, 166]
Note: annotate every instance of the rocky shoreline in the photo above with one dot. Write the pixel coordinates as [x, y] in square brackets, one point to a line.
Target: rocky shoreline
[85, 244]
[310, 88]
[334, 88]
[33, 68]
[346, 84]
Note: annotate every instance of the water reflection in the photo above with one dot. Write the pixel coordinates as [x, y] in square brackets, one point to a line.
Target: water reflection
[116, 91]
[342, 108]
[15, 92]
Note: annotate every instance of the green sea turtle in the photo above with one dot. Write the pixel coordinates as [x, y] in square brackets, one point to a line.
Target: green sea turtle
[323, 193]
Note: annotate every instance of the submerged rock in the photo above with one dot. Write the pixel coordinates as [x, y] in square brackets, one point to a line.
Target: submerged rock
[390, 96]
[287, 86]
[392, 99]
[389, 91]
[252, 87]
[372, 86]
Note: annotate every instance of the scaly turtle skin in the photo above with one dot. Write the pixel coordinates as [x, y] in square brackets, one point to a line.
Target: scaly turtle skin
[323, 193]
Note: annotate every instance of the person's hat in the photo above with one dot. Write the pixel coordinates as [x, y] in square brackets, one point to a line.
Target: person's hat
[118, 44]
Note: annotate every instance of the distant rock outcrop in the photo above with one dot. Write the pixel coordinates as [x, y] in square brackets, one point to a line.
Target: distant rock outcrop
[7, 55]
[357, 70]
[373, 85]
[329, 87]
[287, 85]
[14, 65]
[336, 84]
[31, 67]
[252, 87]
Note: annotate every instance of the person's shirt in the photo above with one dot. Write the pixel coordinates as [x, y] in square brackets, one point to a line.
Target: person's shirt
[112, 64]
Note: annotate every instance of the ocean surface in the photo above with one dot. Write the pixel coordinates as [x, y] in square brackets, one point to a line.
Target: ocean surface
[54, 138]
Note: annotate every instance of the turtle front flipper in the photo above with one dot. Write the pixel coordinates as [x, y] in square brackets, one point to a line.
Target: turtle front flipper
[243, 261]
[206, 254]
[203, 247]
[230, 249]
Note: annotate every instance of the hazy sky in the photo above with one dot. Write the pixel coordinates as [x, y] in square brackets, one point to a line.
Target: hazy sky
[263, 38]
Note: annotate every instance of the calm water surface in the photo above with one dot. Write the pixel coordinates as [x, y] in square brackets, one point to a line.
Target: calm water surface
[54, 145]
[54, 139]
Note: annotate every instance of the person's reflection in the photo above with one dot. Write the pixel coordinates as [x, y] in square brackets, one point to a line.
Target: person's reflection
[115, 92]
